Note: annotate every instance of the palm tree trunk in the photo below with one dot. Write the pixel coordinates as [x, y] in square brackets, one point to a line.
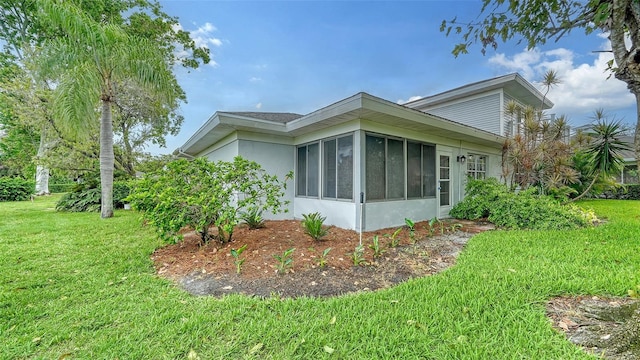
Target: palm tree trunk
[106, 160]
[42, 171]
[636, 138]
[595, 178]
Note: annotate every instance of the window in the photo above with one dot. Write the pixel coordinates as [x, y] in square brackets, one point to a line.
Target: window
[399, 169]
[337, 165]
[308, 170]
[477, 166]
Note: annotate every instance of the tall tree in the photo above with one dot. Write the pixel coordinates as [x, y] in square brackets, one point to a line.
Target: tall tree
[537, 21]
[88, 63]
[23, 30]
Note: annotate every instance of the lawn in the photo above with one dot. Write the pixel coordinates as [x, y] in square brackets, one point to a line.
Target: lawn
[77, 287]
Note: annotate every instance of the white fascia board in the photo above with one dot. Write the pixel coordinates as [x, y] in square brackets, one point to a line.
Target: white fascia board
[209, 125]
[339, 108]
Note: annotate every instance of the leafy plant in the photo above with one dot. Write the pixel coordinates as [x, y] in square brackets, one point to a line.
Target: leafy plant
[203, 194]
[377, 249]
[15, 189]
[635, 292]
[236, 255]
[394, 239]
[357, 256]
[313, 225]
[523, 210]
[322, 260]
[285, 261]
[412, 229]
[253, 218]
[454, 227]
[436, 222]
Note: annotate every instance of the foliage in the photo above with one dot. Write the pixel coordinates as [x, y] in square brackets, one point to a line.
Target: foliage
[357, 256]
[15, 189]
[313, 225]
[605, 150]
[202, 194]
[284, 261]
[322, 260]
[87, 196]
[536, 21]
[411, 225]
[253, 218]
[236, 255]
[524, 210]
[624, 192]
[375, 246]
[435, 222]
[394, 240]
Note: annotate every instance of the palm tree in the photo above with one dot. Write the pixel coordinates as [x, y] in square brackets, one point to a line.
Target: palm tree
[88, 63]
[604, 150]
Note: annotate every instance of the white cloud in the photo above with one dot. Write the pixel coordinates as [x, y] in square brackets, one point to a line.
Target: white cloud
[259, 106]
[584, 86]
[255, 79]
[413, 98]
[202, 37]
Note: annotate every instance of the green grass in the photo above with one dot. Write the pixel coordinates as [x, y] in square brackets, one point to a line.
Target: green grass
[78, 287]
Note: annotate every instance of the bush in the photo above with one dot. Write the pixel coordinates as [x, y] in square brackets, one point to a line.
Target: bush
[524, 210]
[87, 197]
[15, 189]
[201, 194]
[61, 188]
[624, 192]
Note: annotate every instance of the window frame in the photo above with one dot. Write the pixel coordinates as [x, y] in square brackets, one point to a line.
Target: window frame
[336, 168]
[474, 159]
[306, 173]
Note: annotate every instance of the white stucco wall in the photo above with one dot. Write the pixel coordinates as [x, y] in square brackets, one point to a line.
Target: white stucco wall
[342, 214]
[384, 214]
[275, 159]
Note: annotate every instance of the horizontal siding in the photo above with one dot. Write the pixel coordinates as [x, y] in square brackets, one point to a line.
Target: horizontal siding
[482, 112]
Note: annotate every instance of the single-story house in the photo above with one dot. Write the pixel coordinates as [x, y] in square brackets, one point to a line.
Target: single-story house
[367, 163]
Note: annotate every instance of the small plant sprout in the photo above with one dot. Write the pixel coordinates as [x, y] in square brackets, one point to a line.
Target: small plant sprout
[455, 227]
[635, 292]
[285, 261]
[358, 256]
[377, 249]
[313, 225]
[394, 239]
[412, 229]
[322, 260]
[236, 255]
[435, 221]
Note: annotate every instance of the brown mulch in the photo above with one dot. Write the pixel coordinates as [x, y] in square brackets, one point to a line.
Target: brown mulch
[210, 269]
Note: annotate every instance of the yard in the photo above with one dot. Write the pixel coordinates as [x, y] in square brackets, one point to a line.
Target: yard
[74, 286]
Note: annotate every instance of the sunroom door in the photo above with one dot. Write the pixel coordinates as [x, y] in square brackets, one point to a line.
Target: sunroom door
[444, 184]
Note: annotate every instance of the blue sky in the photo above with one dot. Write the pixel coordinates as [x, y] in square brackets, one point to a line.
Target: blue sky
[298, 56]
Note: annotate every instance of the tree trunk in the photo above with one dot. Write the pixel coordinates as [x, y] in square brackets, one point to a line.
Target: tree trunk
[595, 178]
[106, 160]
[636, 137]
[42, 171]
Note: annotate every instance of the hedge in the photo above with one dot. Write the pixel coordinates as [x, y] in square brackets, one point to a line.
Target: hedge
[15, 189]
[624, 192]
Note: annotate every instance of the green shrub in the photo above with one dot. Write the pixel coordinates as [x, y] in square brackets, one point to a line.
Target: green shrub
[201, 194]
[624, 192]
[15, 189]
[313, 225]
[524, 210]
[61, 188]
[87, 197]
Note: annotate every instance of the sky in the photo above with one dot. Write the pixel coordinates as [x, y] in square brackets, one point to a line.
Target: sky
[299, 56]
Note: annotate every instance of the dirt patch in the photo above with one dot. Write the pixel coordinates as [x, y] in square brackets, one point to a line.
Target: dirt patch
[607, 327]
[210, 269]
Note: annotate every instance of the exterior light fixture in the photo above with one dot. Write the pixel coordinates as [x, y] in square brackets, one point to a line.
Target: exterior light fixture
[461, 159]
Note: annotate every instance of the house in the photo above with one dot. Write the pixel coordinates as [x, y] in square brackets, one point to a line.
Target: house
[367, 163]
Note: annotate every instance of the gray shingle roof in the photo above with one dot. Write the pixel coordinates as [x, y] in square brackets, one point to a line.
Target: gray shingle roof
[277, 117]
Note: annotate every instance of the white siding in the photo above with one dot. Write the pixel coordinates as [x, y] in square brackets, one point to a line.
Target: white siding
[480, 112]
[342, 214]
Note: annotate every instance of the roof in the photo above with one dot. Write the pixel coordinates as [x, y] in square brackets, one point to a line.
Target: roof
[358, 106]
[512, 83]
[277, 117]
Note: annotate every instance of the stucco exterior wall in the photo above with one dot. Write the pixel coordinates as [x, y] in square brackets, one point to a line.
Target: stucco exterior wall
[275, 159]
